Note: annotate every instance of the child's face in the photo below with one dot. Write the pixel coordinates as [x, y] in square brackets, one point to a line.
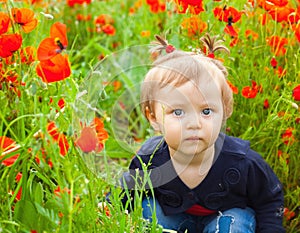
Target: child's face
[189, 116]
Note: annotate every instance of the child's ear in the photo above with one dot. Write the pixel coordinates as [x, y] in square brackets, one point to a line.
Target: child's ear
[152, 119]
[154, 124]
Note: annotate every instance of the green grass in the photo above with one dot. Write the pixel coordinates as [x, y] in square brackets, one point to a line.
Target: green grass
[84, 181]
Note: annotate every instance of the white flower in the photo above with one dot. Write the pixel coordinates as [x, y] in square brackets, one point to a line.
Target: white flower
[47, 16]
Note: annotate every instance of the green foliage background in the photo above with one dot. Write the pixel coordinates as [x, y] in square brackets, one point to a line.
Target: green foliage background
[75, 209]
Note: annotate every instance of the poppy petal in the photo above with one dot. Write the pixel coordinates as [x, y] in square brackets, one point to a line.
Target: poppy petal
[9, 43]
[24, 17]
[28, 27]
[54, 44]
[5, 145]
[54, 69]
[88, 140]
[296, 93]
[28, 55]
[230, 30]
[59, 30]
[47, 49]
[4, 22]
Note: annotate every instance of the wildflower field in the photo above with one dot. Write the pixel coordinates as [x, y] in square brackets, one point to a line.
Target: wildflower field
[69, 99]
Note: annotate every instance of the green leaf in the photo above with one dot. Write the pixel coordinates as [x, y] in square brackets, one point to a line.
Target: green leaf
[119, 149]
[26, 213]
[38, 193]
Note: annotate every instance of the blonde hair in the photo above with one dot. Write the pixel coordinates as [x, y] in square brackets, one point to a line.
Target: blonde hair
[178, 67]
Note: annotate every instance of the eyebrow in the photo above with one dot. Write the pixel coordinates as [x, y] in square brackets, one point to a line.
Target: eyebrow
[182, 106]
[209, 104]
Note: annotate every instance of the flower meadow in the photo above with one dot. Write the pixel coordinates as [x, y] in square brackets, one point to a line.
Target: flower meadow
[69, 89]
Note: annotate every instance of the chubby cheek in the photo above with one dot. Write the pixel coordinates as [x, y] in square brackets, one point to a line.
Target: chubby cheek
[172, 131]
[212, 129]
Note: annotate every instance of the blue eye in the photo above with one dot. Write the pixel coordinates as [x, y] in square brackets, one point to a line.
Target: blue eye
[178, 112]
[206, 111]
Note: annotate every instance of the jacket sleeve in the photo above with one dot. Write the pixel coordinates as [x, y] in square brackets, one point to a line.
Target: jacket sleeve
[266, 195]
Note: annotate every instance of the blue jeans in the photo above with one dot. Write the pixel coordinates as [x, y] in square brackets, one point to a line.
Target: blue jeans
[234, 220]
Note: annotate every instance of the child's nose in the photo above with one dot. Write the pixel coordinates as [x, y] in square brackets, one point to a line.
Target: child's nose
[194, 121]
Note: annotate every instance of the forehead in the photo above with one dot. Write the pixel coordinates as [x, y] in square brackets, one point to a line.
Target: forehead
[178, 71]
[203, 93]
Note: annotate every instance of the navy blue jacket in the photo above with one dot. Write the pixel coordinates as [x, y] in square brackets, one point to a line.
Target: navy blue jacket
[239, 177]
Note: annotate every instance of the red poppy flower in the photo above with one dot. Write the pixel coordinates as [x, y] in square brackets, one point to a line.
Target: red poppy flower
[81, 17]
[194, 6]
[145, 33]
[109, 29]
[41, 156]
[280, 72]
[280, 3]
[296, 29]
[19, 194]
[156, 6]
[52, 130]
[267, 5]
[266, 104]
[234, 89]
[4, 22]
[280, 14]
[71, 3]
[288, 136]
[116, 84]
[19, 176]
[63, 144]
[61, 103]
[58, 191]
[88, 140]
[234, 42]
[273, 62]
[194, 26]
[288, 214]
[231, 31]
[7, 145]
[10, 80]
[227, 14]
[55, 69]
[60, 138]
[252, 34]
[101, 132]
[296, 93]
[28, 55]
[25, 18]
[54, 44]
[104, 19]
[264, 18]
[251, 92]
[92, 137]
[294, 17]
[277, 45]
[9, 43]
